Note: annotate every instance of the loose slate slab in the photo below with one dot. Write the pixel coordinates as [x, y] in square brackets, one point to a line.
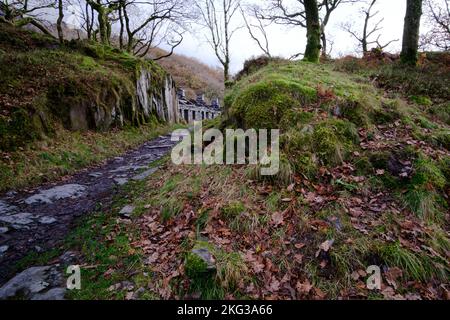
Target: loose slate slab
[6, 208]
[34, 283]
[144, 175]
[127, 211]
[23, 218]
[57, 193]
[47, 220]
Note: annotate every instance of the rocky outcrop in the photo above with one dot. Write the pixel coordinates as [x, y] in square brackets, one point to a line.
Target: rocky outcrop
[152, 97]
[156, 96]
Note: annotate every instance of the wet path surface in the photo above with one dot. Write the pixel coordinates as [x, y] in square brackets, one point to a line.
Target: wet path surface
[39, 220]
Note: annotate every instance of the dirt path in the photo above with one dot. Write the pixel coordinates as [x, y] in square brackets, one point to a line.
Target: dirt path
[41, 219]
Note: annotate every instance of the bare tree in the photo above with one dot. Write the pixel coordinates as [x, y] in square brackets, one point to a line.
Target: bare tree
[292, 13]
[85, 16]
[159, 23]
[437, 17]
[216, 16]
[20, 13]
[368, 32]
[256, 28]
[60, 20]
[411, 32]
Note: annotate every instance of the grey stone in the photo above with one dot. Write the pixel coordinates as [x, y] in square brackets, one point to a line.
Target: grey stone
[20, 227]
[6, 208]
[127, 168]
[138, 293]
[23, 218]
[57, 193]
[47, 220]
[95, 175]
[206, 256]
[11, 193]
[337, 112]
[28, 282]
[3, 230]
[144, 175]
[121, 181]
[68, 258]
[52, 294]
[127, 211]
[34, 283]
[3, 249]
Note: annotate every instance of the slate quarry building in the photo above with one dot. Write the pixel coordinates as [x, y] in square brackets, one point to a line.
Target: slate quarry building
[198, 109]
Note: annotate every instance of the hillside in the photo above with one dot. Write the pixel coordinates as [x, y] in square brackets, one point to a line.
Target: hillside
[56, 101]
[364, 181]
[189, 73]
[193, 75]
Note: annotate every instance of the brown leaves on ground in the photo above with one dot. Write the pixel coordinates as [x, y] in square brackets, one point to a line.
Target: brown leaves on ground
[277, 252]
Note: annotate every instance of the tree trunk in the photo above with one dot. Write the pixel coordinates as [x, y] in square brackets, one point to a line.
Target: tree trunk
[411, 32]
[323, 38]
[103, 25]
[226, 71]
[364, 37]
[121, 27]
[312, 52]
[59, 21]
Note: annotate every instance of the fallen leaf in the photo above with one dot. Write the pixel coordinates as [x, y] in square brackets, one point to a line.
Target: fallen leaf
[304, 288]
[326, 246]
[277, 218]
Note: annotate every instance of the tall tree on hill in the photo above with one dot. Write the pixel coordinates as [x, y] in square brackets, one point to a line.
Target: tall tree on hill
[162, 24]
[369, 30]
[437, 18]
[293, 13]
[103, 10]
[217, 17]
[411, 32]
[60, 20]
[313, 46]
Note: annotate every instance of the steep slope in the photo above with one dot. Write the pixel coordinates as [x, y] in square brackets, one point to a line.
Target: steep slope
[193, 75]
[64, 107]
[82, 86]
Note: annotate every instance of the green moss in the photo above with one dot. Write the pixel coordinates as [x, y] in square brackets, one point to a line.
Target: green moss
[195, 266]
[422, 195]
[441, 112]
[263, 105]
[233, 209]
[440, 138]
[388, 113]
[416, 265]
[295, 117]
[355, 112]
[22, 127]
[333, 140]
[427, 173]
[307, 165]
[421, 100]
[328, 146]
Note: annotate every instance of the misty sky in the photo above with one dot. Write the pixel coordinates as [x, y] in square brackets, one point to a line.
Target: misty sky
[287, 41]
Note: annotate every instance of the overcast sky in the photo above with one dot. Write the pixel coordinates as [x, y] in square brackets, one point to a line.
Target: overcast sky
[287, 41]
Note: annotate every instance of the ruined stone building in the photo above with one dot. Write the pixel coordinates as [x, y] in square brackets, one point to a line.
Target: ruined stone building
[198, 109]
